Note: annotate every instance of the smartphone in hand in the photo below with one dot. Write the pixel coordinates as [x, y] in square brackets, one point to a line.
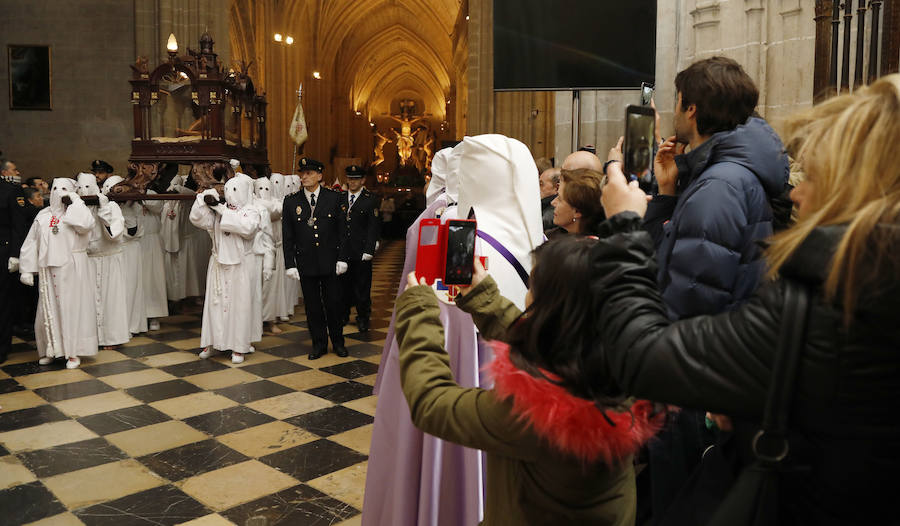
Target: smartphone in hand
[640, 128]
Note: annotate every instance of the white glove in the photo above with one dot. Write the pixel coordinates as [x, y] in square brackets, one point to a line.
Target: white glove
[13, 264]
[267, 274]
[367, 257]
[103, 200]
[340, 267]
[377, 244]
[27, 278]
[293, 273]
[74, 197]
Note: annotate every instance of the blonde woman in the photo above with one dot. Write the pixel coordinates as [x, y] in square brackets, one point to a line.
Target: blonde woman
[844, 442]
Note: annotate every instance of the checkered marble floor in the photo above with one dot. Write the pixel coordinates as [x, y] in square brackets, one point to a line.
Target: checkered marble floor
[150, 434]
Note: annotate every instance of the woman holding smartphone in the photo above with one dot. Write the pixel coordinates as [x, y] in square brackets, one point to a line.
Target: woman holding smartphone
[556, 453]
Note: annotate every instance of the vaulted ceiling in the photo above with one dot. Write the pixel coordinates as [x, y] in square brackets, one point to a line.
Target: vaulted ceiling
[376, 49]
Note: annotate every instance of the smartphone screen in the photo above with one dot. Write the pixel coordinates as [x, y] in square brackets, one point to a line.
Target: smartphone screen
[640, 122]
[646, 93]
[460, 252]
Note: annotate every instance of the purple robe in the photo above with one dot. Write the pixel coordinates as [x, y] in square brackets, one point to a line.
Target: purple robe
[415, 478]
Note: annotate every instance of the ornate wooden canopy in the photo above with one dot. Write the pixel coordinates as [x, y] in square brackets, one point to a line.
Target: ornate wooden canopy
[190, 110]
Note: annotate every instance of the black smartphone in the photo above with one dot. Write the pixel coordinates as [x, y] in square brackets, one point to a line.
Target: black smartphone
[460, 252]
[640, 124]
[646, 93]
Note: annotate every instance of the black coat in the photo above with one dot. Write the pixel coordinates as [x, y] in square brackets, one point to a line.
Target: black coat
[363, 224]
[313, 250]
[14, 222]
[844, 429]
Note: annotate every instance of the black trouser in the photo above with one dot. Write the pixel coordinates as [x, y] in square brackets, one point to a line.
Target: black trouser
[7, 304]
[27, 298]
[321, 299]
[356, 285]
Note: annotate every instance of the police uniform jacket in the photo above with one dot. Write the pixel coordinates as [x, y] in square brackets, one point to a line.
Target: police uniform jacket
[13, 221]
[363, 224]
[314, 250]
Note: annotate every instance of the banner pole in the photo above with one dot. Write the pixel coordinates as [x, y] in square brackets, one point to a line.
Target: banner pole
[294, 147]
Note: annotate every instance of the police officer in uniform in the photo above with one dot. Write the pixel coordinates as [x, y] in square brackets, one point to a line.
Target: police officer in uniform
[313, 224]
[363, 230]
[13, 229]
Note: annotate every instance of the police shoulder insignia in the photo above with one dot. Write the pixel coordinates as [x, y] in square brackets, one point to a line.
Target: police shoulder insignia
[21, 201]
[376, 212]
[343, 208]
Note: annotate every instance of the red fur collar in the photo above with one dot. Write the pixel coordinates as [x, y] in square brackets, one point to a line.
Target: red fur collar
[571, 424]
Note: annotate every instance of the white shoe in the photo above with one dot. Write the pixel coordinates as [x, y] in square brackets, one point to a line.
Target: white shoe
[284, 318]
[154, 325]
[46, 360]
[237, 357]
[206, 353]
[73, 363]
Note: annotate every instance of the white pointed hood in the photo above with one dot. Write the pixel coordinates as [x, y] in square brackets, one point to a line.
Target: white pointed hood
[239, 190]
[440, 167]
[110, 182]
[87, 184]
[496, 181]
[262, 188]
[60, 186]
[277, 184]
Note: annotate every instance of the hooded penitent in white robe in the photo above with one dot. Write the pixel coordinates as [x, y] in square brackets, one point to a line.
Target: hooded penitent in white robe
[56, 248]
[173, 218]
[273, 298]
[107, 262]
[227, 320]
[155, 302]
[278, 288]
[134, 266]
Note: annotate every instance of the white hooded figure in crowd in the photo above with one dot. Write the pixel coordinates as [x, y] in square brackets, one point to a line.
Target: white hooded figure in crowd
[56, 248]
[134, 267]
[227, 320]
[107, 262]
[264, 255]
[155, 304]
[280, 187]
[172, 217]
[273, 296]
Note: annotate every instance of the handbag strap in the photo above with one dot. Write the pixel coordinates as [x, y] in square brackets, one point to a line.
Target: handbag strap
[770, 445]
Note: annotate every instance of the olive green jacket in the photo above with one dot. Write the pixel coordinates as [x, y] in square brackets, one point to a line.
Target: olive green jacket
[533, 477]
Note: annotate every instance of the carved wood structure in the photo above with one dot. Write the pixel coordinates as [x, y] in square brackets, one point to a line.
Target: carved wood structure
[190, 110]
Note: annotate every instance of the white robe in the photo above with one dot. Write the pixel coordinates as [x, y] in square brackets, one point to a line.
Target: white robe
[227, 321]
[272, 293]
[134, 269]
[154, 265]
[264, 251]
[107, 262]
[65, 325]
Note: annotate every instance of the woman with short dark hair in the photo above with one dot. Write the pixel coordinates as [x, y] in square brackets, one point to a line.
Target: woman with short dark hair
[577, 208]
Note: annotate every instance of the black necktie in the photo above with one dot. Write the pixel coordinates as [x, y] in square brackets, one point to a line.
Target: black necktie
[312, 199]
[352, 198]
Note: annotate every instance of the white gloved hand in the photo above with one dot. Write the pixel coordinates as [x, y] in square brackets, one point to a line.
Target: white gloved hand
[267, 274]
[103, 200]
[74, 197]
[367, 257]
[293, 273]
[12, 264]
[377, 245]
[340, 267]
[27, 278]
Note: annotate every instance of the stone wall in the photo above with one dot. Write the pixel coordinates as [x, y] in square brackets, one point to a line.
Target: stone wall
[774, 40]
[92, 43]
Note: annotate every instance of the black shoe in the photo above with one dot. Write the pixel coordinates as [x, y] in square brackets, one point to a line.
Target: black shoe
[362, 325]
[341, 351]
[315, 355]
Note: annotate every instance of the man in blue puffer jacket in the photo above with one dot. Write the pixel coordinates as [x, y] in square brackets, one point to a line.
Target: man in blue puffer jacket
[711, 211]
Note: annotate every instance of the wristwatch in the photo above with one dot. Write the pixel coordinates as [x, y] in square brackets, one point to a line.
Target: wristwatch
[607, 163]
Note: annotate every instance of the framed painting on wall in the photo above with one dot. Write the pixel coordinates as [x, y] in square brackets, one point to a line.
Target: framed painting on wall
[29, 77]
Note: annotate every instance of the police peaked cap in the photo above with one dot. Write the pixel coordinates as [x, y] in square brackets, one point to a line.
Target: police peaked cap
[308, 164]
[101, 166]
[355, 171]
